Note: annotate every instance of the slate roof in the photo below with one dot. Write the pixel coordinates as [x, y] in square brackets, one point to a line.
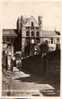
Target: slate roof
[45, 33]
[9, 33]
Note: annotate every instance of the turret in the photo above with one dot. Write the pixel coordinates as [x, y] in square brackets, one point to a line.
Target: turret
[19, 24]
[19, 32]
[40, 21]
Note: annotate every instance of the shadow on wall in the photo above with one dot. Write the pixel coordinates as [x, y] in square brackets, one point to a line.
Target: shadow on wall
[48, 65]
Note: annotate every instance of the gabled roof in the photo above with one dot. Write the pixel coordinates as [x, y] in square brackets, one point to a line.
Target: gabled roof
[45, 33]
[9, 33]
[27, 21]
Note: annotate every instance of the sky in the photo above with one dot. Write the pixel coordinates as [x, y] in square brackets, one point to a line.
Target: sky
[49, 10]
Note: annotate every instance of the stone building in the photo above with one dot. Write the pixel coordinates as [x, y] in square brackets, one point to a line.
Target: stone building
[31, 33]
[8, 47]
[29, 28]
[9, 36]
[53, 38]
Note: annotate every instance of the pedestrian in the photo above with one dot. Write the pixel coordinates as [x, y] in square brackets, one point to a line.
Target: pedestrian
[4, 61]
[9, 61]
[19, 60]
[8, 54]
[13, 62]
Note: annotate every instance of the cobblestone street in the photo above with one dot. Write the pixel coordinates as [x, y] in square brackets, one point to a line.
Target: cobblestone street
[19, 83]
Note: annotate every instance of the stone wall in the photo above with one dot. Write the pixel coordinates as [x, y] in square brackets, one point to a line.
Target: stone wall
[48, 65]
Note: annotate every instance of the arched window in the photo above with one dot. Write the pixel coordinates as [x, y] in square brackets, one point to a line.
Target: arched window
[32, 33]
[27, 33]
[37, 33]
[32, 24]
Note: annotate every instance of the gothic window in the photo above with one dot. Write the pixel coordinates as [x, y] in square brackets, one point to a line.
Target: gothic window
[27, 33]
[37, 28]
[32, 25]
[32, 33]
[27, 28]
[37, 33]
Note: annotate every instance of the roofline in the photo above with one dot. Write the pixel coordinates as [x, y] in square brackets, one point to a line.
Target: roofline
[9, 29]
